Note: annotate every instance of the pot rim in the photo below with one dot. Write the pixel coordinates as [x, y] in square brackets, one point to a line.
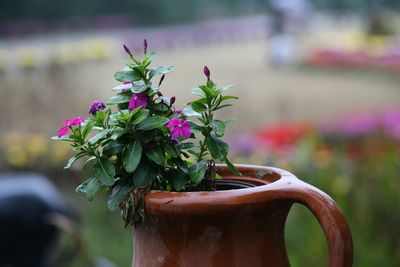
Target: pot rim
[270, 181]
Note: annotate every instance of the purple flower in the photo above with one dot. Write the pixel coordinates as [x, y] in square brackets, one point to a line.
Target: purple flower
[179, 128]
[178, 111]
[145, 45]
[206, 71]
[96, 106]
[138, 100]
[64, 130]
[127, 50]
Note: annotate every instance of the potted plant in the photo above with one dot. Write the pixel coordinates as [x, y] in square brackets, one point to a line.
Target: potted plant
[183, 207]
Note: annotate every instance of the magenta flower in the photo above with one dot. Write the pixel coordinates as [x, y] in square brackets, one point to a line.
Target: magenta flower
[64, 130]
[138, 100]
[96, 106]
[74, 121]
[179, 128]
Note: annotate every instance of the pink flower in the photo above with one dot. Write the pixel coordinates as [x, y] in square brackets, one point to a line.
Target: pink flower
[64, 130]
[179, 127]
[138, 100]
[74, 121]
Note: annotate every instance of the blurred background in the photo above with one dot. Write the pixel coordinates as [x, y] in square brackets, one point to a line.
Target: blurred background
[319, 88]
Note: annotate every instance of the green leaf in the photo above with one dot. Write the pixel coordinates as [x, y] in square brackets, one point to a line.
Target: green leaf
[104, 170]
[62, 138]
[189, 112]
[172, 151]
[100, 135]
[156, 154]
[228, 97]
[89, 187]
[223, 106]
[100, 116]
[139, 87]
[140, 116]
[87, 128]
[226, 88]
[117, 196]
[132, 155]
[147, 60]
[207, 90]
[218, 127]
[187, 145]
[113, 148]
[118, 99]
[144, 175]
[160, 70]
[125, 86]
[178, 179]
[88, 161]
[117, 133]
[217, 147]
[197, 171]
[199, 92]
[198, 107]
[152, 123]
[74, 159]
[231, 167]
[126, 76]
[229, 122]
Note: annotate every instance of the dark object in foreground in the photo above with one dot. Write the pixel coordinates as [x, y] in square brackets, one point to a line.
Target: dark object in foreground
[31, 210]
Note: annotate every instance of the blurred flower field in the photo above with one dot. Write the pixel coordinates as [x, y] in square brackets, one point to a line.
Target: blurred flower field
[355, 159]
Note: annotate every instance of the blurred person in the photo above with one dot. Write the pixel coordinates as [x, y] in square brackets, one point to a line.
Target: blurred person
[32, 212]
[287, 18]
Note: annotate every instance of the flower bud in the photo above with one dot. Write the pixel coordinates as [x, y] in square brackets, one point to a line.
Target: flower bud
[172, 100]
[145, 45]
[127, 50]
[206, 72]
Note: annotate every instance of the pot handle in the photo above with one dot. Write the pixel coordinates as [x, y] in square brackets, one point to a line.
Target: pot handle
[329, 216]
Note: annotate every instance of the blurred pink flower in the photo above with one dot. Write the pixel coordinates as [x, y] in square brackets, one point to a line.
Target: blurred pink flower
[138, 100]
[391, 122]
[179, 127]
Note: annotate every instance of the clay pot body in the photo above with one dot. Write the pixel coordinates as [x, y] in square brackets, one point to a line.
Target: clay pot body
[242, 227]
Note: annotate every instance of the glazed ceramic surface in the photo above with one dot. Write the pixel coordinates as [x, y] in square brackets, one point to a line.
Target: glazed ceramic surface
[241, 227]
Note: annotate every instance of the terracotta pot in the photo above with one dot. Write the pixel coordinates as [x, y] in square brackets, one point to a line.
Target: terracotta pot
[242, 227]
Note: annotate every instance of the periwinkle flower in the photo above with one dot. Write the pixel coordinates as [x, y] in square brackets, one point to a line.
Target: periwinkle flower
[138, 100]
[179, 128]
[96, 106]
[72, 122]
